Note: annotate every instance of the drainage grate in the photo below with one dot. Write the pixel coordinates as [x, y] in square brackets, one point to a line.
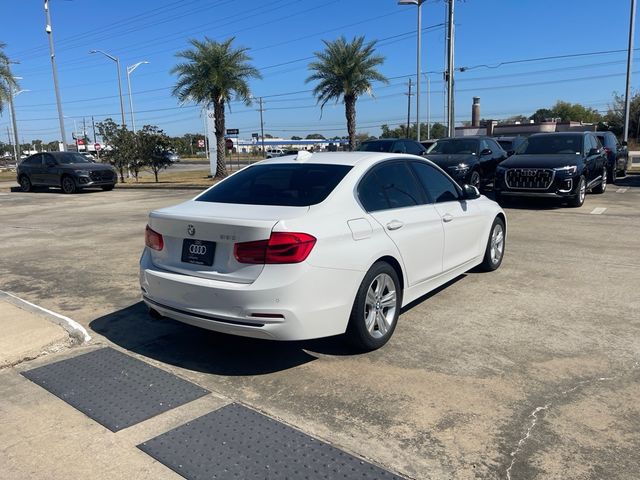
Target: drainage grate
[114, 389]
[236, 442]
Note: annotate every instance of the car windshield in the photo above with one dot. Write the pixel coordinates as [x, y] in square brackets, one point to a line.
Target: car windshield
[292, 185]
[506, 144]
[455, 146]
[71, 157]
[551, 145]
[376, 146]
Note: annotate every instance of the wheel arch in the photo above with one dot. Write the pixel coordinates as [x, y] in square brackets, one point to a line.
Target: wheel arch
[395, 265]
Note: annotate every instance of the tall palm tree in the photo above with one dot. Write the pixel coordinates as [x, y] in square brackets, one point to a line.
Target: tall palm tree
[7, 82]
[211, 74]
[345, 70]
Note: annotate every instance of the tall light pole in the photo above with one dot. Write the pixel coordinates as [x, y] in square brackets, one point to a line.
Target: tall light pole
[130, 70]
[418, 3]
[450, 69]
[117, 60]
[627, 97]
[54, 68]
[428, 106]
[12, 114]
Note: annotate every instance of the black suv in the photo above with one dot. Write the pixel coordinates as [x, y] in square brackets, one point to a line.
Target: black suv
[70, 171]
[469, 160]
[393, 145]
[617, 155]
[557, 165]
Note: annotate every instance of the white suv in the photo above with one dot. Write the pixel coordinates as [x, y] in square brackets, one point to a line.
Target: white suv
[275, 152]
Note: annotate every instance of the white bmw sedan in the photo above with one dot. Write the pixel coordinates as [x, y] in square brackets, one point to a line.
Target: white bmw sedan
[315, 245]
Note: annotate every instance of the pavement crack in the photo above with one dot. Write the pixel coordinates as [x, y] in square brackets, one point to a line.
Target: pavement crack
[526, 436]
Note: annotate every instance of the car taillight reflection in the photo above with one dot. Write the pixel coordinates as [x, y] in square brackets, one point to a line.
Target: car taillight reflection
[281, 247]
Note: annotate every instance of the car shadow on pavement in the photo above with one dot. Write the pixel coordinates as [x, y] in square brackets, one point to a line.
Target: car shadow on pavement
[205, 351]
[54, 190]
[630, 181]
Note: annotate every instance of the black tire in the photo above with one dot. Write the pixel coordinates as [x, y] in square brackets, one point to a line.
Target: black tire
[377, 280]
[577, 200]
[603, 183]
[107, 188]
[25, 183]
[612, 175]
[494, 252]
[68, 185]
[475, 179]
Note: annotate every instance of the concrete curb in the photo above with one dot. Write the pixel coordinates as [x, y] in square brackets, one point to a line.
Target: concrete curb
[73, 328]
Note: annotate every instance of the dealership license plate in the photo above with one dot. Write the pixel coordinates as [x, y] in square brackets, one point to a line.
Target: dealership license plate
[198, 252]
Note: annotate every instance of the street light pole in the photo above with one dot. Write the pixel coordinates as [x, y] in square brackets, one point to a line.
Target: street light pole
[130, 70]
[117, 60]
[450, 69]
[428, 106]
[418, 3]
[54, 68]
[627, 97]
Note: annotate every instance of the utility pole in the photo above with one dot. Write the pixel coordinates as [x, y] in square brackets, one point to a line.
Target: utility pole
[428, 107]
[84, 135]
[54, 68]
[627, 97]
[450, 69]
[261, 127]
[15, 152]
[12, 112]
[409, 95]
[419, 73]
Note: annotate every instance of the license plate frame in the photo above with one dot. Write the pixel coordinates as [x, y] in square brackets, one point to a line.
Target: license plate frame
[198, 252]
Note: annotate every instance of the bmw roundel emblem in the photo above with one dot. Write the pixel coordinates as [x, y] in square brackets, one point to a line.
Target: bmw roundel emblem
[191, 230]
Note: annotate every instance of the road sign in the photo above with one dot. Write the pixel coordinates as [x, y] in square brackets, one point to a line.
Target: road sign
[200, 143]
[97, 146]
[255, 135]
[228, 143]
[232, 131]
[80, 141]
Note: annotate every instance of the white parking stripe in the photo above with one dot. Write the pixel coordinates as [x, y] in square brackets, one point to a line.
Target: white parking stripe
[621, 190]
[598, 211]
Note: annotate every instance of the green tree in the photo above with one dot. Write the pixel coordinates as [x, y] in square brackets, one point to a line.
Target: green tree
[213, 72]
[152, 143]
[512, 120]
[315, 136]
[295, 137]
[7, 81]
[613, 120]
[345, 71]
[541, 115]
[122, 142]
[437, 131]
[575, 112]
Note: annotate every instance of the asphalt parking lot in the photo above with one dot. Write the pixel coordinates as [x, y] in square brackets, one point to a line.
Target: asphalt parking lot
[532, 371]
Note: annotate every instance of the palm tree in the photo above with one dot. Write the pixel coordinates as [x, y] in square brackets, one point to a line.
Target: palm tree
[7, 82]
[212, 73]
[346, 70]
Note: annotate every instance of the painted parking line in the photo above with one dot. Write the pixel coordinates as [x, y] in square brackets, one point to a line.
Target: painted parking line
[598, 211]
[621, 190]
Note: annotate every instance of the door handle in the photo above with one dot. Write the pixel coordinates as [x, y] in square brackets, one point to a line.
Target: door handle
[394, 225]
[447, 217]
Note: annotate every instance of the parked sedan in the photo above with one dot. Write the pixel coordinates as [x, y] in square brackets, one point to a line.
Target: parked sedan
[69, 171]
[617, 155]
[556, 165]
[393, 145]
[469, 160]
[317, 245]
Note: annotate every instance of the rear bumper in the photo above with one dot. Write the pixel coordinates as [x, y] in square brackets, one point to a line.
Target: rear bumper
[286, 302]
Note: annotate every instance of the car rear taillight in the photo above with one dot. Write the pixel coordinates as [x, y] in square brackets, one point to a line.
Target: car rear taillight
[153, 239]
[281, 247]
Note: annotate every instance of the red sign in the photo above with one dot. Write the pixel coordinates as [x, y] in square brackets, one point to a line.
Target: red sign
[97, 147]
[228, 143]
[80, 141]
[200, 143]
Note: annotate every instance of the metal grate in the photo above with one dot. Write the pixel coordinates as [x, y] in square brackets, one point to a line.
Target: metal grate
[529, 178]
[114, 389]
[236, 442]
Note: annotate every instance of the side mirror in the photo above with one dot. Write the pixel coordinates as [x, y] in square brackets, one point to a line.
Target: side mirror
[624, 143]
[510, 152]
[594, 151]
[486, 151]
[470, 192]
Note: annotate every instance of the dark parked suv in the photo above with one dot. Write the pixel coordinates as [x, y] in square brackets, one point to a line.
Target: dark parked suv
[556, 165]
[617, 155]
[469, 160]
[393, 145]
[68, 170]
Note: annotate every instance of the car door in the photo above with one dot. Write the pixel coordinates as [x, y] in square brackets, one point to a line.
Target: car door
[391, 194]
[50, 170]
[462, 220]
[36, 169]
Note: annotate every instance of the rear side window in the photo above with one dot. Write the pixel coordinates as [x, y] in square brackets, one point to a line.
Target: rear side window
[414, 148]
[438, 186]
[292, 185]
[389, 186]
[376, 146]
[34, 160]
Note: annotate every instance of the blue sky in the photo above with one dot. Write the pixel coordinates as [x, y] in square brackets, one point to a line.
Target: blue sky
[282, 34]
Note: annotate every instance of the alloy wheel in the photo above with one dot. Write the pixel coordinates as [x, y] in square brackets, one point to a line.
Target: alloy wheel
[68, 186]
[380, 306]
[583, 189]
[497, 243]
[474, 181]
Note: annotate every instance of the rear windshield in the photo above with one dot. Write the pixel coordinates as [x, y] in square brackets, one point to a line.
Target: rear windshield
[551, 145]
[291, 185]
[455, 146]
[375, 146]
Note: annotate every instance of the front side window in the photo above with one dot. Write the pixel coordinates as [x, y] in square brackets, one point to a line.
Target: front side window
[437, 185]
[389, 186]
[285, 184]
[455, 146]
[71, 158]
[414, 148]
